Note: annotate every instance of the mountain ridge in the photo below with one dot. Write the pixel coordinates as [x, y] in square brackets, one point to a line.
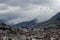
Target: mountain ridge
[29, 23]
[53, 22]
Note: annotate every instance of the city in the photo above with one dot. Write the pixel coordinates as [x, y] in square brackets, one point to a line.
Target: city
[31, 33]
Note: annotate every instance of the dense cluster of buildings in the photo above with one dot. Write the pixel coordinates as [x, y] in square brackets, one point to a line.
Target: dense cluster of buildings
[7, 33]
[47, 31]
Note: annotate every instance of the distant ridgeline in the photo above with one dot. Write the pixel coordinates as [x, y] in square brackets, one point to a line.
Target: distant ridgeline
[25, 24]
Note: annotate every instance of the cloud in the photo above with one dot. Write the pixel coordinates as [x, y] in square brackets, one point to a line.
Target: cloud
[31, 13]
[27, 14]
[7, 9]
[17, 11]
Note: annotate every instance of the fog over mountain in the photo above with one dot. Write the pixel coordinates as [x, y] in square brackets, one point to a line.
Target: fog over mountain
[18, 11]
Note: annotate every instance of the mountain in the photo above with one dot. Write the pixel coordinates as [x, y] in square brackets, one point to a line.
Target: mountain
[53, 22]
[56, 17]
[32, 22]
[29, 23]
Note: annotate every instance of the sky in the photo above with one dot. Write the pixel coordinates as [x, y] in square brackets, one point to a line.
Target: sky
[18, 11]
